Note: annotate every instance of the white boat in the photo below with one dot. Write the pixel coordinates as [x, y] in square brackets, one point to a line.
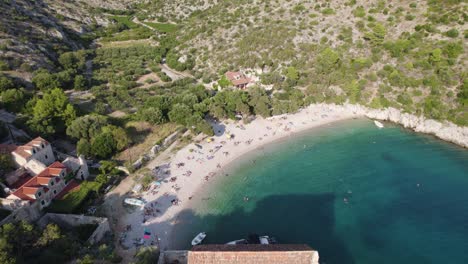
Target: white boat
[237, 242]
[378, 124]
[133, 201]
[264, 240]
[198, 239]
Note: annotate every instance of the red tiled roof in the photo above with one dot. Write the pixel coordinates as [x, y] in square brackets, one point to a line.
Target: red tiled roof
[54, 169]
[252, 254]
[237, 78]
[7, 148]
[40, 181]
[23, 150]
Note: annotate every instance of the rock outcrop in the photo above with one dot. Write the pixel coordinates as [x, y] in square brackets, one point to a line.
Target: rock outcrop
[444, 130]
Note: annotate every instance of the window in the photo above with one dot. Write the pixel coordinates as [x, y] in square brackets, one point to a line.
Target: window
[34, 151]
[52, 183]
[39, 194]
[46, 157]
[42, 202]
[42, 145]
[63, 174]
[55, 191]
[57, 179]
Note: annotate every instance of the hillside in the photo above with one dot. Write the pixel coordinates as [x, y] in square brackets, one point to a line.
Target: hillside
[411, 55]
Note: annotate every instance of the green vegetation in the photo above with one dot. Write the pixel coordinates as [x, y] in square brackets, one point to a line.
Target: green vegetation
[22, 242]
[72, 202]
[163, 27]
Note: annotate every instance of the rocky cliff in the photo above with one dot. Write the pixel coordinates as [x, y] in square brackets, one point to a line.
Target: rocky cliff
[444, 130]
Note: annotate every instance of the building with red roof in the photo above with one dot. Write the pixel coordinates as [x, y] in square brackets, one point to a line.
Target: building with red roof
[34, 155]
[238, 79]
[43, 187]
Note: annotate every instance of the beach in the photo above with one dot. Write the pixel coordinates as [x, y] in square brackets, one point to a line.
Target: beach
[185, 174]
[198, 163]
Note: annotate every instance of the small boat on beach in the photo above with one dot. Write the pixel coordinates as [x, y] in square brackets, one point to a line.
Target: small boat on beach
[133, 201]
[378, 124]
[198, 239]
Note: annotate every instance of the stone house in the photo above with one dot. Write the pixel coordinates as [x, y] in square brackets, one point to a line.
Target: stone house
[43, 187]
[34, 155]
[39, 177]
[238, 79]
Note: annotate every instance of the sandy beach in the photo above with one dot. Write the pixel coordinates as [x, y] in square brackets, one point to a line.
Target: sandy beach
[198, 163]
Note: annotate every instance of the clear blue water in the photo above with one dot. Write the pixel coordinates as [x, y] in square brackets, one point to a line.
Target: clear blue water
[406, 193]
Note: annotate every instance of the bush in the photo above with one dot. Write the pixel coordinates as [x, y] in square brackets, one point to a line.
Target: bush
[453, 33]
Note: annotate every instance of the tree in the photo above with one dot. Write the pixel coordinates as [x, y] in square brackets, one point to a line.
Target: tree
[15, 238]
[377, 35]
[103, 145]
[147, 255]
[83, 147]
[87, 127]
[6, 163]
[327, 61]
[152, 115]
[5, 83]
[260, 102]
[43, 80]
[224, 82]
[79, 83]
[52, 113]
[73, 60]
[13, 99]
[50, 234]
[119, 135]
[108, 167]
[87, 259]
[292, 73]
[179, 113]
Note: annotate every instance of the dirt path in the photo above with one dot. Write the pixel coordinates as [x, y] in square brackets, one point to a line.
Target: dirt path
[175, 75]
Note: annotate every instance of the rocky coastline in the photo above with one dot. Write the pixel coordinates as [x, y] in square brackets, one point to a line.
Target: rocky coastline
[444, 130]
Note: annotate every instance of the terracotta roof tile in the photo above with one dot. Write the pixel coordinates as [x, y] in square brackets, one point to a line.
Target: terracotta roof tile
[252, 247]
[23, 150]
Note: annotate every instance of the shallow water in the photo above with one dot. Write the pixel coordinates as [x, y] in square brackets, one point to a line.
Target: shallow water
[355, 193]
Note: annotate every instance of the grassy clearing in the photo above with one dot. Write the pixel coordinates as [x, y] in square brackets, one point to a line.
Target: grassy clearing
[126, 20]
[163, 27]
[145, 136]
[73, 200]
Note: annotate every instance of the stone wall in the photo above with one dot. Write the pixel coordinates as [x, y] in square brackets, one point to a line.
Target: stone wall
[70, 220]
[173, 256]
[28, 213]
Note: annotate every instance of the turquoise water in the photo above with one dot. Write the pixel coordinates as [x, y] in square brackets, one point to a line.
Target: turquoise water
[355, 193]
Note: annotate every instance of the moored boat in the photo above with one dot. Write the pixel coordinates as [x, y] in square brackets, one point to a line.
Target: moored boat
[238, 242]
[378, 124]
[198, 239]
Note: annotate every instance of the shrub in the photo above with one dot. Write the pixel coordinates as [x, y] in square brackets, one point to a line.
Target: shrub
[452, 33]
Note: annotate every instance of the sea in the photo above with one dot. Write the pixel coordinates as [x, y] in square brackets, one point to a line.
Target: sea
[352, 191]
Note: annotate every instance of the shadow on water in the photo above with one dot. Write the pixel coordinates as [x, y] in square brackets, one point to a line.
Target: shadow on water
[312, 223]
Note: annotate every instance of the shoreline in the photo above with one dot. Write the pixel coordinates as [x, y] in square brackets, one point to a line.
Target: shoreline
[206, 162]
